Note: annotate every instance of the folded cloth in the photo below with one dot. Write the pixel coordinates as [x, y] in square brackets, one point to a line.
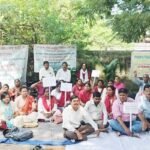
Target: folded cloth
[39, 142]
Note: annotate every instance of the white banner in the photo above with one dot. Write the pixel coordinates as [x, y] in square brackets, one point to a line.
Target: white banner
[130, 107]
[140, 62]
[55, 55]
[95, 73]
[13, 63]
[49, 81]
[67, 87]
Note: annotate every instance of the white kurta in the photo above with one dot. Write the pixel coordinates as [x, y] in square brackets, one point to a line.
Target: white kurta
[63, 75]
[44, 73]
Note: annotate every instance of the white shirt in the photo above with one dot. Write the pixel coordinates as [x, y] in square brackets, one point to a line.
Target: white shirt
[72, 119]
[42, 109]
[44, 73]
[96, 112]
[144, 106]
[63, 75]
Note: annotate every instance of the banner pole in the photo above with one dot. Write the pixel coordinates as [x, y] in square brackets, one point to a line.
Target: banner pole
[94, 82]
[65, 98]
[131, 122]
[50, 96]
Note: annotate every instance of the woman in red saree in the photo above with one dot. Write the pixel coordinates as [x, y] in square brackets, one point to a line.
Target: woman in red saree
[77, 87]
[85, 94]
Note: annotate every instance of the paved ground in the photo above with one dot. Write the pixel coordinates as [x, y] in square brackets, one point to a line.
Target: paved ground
[45, 131]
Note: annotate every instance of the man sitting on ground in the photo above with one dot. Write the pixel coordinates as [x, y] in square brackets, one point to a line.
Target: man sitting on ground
[97, 111]
[141, 83]
[121, 121]
[73, 116]
[144, 108]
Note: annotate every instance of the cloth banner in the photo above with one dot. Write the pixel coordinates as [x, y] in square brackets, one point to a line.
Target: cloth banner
[140, 62]
[55, 55]
[13, 64]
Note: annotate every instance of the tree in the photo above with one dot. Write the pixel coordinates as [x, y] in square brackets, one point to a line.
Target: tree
[40, 21]
[129, 19]
[53, 22]
[133, 22]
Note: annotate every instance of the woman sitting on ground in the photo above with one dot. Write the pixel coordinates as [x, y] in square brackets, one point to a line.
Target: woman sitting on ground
[101, 89]
[84, 74]
[86, 94]
[15, 91]
[109, 100]
[60, 97]
[5, 88]
[77, 87]
[25, 108]
[39, 87]
[47, 108]
[6, 111]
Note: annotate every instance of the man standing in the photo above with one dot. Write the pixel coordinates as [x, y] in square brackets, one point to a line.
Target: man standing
[46, 70]
[97, 110]
[73, 117]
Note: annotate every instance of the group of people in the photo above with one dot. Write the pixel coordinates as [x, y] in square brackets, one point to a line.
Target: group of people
[89, 107]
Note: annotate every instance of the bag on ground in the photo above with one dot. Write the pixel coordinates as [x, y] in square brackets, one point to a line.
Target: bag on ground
[18, 134]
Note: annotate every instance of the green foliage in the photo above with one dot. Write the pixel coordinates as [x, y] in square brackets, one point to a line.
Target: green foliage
[92, 7]
[133, 23]
[133, 88]
[40, 21]
[55, 22]
[130, 21]
[107, 59]
[103, 38]
[110, 69]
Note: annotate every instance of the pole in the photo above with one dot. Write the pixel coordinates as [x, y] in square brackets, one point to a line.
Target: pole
[65, 98]
[50, 96]
[131, 122]
[94, 81]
